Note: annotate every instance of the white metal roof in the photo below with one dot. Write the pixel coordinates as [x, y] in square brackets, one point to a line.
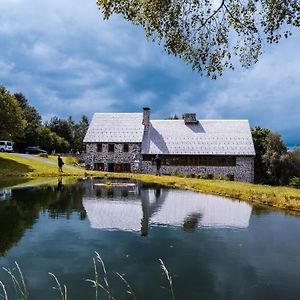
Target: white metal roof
[115, 127]
[208, 137]
[213, 137]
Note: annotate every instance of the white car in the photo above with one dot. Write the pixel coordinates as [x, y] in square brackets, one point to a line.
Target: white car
[6, 146]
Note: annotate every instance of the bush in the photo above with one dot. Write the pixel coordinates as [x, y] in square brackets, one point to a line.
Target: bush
[203, 176]
[295, 182]
[220, 177]
[177, 173]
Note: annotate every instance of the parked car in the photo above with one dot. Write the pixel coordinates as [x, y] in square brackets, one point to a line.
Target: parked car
[35, 150]
[6, 146]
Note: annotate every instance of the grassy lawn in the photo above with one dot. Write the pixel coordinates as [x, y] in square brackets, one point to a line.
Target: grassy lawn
[15, 166]
[68, 160]
[277, 197]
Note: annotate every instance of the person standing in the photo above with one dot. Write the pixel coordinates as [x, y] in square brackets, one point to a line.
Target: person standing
[157, 161]
[60, 163]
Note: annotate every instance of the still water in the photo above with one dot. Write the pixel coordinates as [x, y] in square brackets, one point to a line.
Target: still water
[214, 248]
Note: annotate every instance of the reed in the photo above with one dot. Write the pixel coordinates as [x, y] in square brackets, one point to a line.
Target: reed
[19, 284]
[62, 291]
[98, 283]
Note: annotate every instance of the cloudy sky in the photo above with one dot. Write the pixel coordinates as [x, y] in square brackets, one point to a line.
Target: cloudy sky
[68, 61]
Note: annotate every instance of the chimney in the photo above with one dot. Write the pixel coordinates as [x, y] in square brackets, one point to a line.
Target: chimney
[190, 118]
[146, 118]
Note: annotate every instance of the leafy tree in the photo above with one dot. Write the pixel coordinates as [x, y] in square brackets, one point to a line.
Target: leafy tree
[206, 33]
[276, 160]
[70, 130]
[273, 163]
[33, 122]
[259, 136]
[11, 117]
[173, 117]
[62, 127]
[80, 130]
[50, 141]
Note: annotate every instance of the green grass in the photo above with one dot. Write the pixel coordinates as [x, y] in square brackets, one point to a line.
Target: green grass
[16, 166]
[277, 197]
[68, 160]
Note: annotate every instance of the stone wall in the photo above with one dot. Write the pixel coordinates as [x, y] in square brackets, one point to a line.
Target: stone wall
[243, 171]
[118, 156]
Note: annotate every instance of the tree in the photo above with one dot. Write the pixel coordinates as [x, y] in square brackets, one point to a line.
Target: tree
[11, 117]
[207, 33]
[48, 140]
[173, 117]
[295, 159]
[71, 131]
[80, 130]
[276, 160]
[273, 163]
[62, 127]
[259, 136]
[33, 122]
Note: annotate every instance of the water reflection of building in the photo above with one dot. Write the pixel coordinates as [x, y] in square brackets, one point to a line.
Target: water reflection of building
[164, 207]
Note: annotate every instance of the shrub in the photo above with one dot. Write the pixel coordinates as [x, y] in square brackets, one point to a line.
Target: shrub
[203, 176]
[219, 177]
[295, 182]
[177, 173]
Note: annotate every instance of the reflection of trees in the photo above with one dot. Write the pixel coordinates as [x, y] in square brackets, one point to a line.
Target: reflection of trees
[22, 210]
[14, 220]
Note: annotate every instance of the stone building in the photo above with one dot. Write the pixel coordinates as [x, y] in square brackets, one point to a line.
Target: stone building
[129, 142]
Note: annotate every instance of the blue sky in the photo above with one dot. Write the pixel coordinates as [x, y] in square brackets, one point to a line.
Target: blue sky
[68, 61]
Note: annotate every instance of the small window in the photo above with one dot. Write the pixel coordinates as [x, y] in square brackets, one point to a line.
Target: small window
[99, 147]
[2, 143]
[125, 148]
[126, 168]
[111, 148]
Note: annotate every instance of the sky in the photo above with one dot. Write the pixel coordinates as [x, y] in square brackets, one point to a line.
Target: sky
[68, 61]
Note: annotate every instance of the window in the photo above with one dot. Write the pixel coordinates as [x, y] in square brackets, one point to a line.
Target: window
[111, 147]
[99, 147]
[125, 148]
[126, 168]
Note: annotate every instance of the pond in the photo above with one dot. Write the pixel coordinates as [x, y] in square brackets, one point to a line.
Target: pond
[213, 247]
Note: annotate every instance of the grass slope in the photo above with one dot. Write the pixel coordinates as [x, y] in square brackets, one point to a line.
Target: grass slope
[15, 166]
[278, 197]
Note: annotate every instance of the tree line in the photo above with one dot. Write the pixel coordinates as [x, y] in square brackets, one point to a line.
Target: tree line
[22, 123]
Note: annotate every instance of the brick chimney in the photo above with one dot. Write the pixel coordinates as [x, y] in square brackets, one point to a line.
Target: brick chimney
[190, 118]
[146, 118]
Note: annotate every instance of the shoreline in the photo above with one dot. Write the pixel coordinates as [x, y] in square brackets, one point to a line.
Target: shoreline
[283, 198]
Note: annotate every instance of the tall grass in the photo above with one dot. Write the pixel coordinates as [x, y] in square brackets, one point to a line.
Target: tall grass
[98, 283]
[19, 284]
[62, 292]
